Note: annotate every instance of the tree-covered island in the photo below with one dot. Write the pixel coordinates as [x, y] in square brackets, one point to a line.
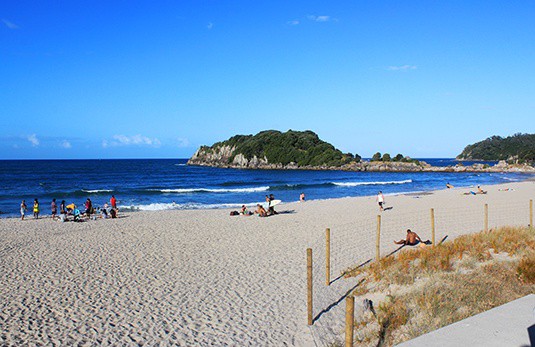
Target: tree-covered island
[272, 149]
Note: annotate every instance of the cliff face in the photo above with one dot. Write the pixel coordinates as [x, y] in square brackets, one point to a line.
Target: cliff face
[224, 156]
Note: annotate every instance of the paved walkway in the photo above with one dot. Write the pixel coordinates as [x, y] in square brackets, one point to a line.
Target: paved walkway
[506, 325]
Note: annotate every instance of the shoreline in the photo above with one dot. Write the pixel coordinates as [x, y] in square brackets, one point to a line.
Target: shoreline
[231, 206]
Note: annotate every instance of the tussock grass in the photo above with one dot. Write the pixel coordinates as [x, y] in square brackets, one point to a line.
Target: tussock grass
[428, 288]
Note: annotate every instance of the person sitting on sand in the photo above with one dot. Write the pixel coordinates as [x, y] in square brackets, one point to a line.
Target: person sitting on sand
[481, 191]
[448, 185]
[70, 208]
[244, 211]
[411, 240]
[260, 211]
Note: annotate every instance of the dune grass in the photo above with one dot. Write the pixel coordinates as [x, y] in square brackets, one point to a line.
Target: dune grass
[423, 289]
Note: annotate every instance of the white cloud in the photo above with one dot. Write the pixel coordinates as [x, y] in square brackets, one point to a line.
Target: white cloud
[9, 24]
[210, 25]
[402, 68]
[292, 22]
[319, 18]
[183, 142]
[135, 140]
[33, 140]
[65, 144]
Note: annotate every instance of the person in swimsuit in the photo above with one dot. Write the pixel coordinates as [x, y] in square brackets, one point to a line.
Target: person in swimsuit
[54, 208]
[260, 211]
[411, 240]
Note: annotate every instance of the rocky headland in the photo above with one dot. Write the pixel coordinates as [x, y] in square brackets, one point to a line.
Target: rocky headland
[305, 151]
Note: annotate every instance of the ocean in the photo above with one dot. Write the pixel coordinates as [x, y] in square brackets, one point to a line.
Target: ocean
[162, 184]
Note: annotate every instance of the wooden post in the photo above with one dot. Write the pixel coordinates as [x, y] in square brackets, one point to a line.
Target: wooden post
[433, 226]
[486, 217]
[531, 213]
[328, 256]
[309, 286]
[378, 239]
[350, 320]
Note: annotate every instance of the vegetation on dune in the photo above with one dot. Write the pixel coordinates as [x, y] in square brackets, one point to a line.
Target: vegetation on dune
[424, 289]
[518, 148]
[303, 148]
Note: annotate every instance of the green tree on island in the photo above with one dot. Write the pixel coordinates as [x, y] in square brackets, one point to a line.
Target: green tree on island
[376, 156]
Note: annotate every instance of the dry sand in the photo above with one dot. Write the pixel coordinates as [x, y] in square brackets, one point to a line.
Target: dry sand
[189, 278]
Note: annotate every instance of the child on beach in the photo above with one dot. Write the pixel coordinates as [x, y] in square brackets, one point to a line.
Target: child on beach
[36, 209]
[23, 209]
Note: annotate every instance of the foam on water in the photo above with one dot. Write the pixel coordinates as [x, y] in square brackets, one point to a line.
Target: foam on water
[355, 184]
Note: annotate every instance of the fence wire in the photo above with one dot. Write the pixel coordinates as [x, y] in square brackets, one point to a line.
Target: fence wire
[353, 244]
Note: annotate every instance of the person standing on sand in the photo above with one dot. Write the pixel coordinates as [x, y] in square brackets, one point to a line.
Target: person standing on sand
[302, 197]
[88, 207]
[62, 208]
[36, 209]
[23, 209]
[54, 208]
[113, 203]
[380, 200]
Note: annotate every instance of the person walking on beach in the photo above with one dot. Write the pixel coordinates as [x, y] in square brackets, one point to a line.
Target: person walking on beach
[54, 208]
[380, 200]
[23, 209]
[36, 209]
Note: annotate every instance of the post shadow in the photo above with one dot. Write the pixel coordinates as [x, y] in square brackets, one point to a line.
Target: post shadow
[328, 308]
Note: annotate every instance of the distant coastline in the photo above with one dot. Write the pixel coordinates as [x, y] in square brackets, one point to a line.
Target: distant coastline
[375, 166]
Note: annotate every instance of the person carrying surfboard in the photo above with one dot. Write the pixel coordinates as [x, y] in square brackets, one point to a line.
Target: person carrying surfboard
[270, 199]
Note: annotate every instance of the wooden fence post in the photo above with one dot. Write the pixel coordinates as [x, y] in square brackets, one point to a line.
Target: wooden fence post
[433, 226]
[486, 217]
[378, 239]
[328, 256]
[309, 286]
[350, 320]
[531, 213]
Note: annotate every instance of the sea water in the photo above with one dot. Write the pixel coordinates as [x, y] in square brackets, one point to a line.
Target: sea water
[160, 184]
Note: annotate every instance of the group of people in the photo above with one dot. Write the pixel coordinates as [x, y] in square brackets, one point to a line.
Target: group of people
[262, 210]
[71, 209]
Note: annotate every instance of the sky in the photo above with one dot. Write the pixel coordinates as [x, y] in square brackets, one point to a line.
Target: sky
[157, 79]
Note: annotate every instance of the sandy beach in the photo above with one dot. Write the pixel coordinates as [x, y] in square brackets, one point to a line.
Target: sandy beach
[202, 277]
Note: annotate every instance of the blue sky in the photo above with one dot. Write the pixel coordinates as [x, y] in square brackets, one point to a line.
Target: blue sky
[156, 79]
